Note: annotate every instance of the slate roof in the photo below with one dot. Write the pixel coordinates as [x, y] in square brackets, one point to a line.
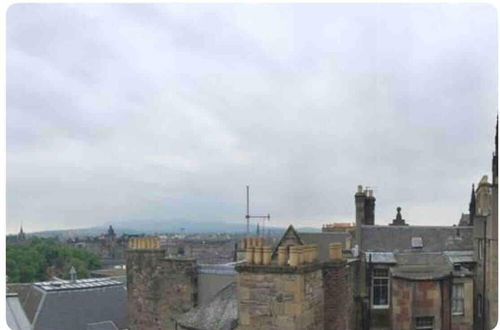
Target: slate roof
[217, 269]
[28, 296]
[460, 256]
[323, 240]
[380, 257]
[398, 238]
[219, 314]
[64, 305]
[421, 266]
[106, 325]
[16, 318]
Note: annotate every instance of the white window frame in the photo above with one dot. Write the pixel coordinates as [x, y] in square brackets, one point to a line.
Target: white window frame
[457, 297]
[378, 277]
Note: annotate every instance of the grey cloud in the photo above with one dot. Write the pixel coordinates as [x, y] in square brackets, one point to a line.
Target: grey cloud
[161, 111]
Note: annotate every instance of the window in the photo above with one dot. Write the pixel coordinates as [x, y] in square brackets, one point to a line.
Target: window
[424, 323]
[457, 304]
[417, 242]
[380, 288]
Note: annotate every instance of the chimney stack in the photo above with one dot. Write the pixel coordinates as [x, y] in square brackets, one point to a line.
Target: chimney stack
[359, 200]
[370, 208]
[365, 206]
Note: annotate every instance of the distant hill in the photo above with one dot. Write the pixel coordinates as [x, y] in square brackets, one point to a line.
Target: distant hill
[150, 227]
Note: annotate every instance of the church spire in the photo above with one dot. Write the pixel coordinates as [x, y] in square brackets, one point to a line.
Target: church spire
[21, 236]
[472, 206]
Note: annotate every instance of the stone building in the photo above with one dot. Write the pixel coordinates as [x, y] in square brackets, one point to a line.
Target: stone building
[483, 215]
[395, 276]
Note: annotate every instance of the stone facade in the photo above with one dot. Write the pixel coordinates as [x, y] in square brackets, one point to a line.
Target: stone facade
[274, 297]
[158, 288]
[338, 280]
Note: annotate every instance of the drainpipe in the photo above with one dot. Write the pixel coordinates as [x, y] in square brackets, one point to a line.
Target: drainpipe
[369, 278]
[484, 277]
[450, 301]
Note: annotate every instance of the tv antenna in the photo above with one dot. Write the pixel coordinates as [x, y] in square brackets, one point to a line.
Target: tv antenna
[248, 216]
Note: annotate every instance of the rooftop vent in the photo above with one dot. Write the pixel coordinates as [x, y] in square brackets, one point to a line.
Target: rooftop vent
[417, 243]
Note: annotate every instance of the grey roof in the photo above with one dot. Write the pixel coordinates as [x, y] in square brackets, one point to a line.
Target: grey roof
[28, 296]
[464, 220]
[106, 325]
[75, 305]
[221, 269]
[398, 238]
[323, 240]
[78, 285]
[16, 318]
[421, 266]
[380, 257]
[456, 257]
[219, 314]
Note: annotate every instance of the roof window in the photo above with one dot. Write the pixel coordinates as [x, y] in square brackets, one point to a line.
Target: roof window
[417, 243]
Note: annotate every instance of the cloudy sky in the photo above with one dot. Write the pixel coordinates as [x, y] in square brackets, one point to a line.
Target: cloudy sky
[119, 112]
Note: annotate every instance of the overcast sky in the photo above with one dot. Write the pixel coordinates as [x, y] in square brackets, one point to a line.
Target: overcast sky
[119, 112]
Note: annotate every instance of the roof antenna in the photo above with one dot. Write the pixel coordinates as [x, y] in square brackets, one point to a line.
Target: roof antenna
[248, 216]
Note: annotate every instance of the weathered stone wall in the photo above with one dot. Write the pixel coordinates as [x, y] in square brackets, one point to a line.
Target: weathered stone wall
[416, 298]
[282, 298]
[158, 288]
[465, 321]
[339, 303]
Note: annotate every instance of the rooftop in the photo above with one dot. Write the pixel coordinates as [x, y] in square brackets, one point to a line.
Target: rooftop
[89, 283]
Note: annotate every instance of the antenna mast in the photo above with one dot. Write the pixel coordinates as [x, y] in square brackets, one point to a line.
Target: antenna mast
[248, 216]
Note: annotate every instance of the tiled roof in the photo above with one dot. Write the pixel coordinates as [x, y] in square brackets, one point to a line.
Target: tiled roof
[398, 238]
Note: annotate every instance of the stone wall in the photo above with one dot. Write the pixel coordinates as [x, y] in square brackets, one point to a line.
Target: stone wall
[465, 321]
[339, 303]
[285, 298]
[411, 299]
[158, 288]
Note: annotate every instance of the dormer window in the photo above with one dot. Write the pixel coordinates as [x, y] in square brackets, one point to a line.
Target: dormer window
[417, 243]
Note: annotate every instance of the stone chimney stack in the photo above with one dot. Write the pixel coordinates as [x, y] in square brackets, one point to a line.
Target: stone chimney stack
[360, 201]
[365, 206]
[370, 208]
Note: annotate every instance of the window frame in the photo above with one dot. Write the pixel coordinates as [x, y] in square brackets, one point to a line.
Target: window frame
[457, 298]
[379, 277]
